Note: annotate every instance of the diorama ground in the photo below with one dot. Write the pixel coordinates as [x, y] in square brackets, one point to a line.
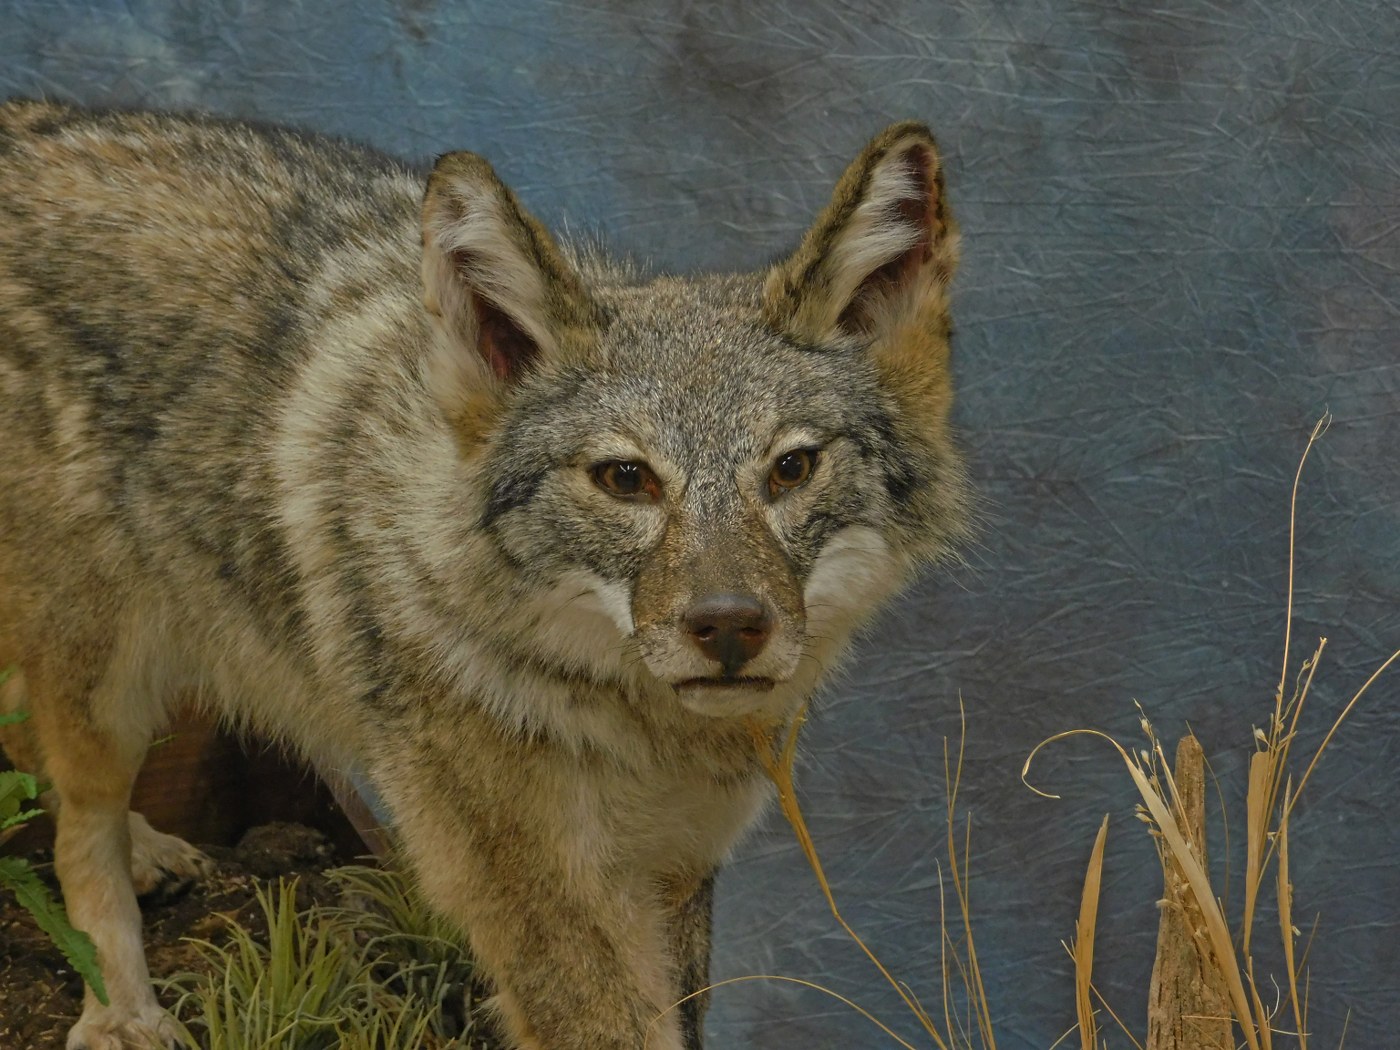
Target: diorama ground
[40, 996]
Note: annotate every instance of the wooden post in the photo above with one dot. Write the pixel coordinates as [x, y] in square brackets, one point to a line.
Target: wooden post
[1189, 1007]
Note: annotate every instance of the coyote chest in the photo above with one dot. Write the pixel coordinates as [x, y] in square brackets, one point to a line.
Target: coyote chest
[374, 464]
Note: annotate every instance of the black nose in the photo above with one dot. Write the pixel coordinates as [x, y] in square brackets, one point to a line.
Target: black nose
[729, 628]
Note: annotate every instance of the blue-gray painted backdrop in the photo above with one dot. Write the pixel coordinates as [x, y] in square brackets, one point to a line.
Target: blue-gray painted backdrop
[1182, 243]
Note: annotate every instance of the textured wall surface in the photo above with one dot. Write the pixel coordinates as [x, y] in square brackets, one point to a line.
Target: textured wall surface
[1182, 242]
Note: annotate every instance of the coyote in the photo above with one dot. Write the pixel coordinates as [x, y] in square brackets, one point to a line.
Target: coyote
[371, 464]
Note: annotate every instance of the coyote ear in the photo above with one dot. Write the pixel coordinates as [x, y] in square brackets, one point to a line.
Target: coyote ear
[493, 277]
[882, 251]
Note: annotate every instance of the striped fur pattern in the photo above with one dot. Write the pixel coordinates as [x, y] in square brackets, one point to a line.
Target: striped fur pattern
[369, 463]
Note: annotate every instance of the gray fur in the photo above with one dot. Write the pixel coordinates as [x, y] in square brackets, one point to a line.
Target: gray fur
[290, 436]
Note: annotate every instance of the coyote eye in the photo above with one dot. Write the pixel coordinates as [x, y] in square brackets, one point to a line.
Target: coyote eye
[792, 470]
[626, 479]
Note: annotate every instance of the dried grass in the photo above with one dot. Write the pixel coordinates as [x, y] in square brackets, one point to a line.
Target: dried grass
[966, 1012]
[1082, 951]
[1271, 798]
[1269, 805]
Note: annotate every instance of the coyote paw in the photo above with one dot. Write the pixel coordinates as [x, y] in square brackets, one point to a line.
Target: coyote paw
[163, 864]
[108, 1028]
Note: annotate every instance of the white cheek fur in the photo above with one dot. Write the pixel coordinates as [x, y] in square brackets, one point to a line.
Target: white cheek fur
[854, 573]
[582, 598]
[615, 601]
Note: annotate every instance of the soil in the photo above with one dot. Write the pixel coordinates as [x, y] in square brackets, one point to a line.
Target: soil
[40, 997]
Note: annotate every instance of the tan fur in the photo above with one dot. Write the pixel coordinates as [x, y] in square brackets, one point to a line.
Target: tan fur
[325, 443]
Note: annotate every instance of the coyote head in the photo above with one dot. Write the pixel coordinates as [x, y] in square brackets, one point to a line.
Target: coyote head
[708, 482]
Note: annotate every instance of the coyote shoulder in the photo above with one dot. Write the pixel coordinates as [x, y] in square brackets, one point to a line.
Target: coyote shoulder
[370, 463]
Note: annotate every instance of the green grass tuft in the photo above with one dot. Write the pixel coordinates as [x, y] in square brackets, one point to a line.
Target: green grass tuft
[377, 973]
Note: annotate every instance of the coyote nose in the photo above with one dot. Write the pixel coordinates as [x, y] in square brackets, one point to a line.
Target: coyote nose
[730, 628]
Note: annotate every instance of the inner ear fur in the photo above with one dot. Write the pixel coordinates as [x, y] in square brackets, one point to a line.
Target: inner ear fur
[495, 281]
[879, 256]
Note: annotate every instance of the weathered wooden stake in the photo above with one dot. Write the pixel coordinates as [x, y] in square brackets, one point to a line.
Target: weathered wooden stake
[1188, 1008]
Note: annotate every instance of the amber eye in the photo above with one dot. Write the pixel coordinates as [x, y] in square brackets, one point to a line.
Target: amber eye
[792, 470]
[626, 479]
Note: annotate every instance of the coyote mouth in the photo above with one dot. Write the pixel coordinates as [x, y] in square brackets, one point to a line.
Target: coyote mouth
[757, 684]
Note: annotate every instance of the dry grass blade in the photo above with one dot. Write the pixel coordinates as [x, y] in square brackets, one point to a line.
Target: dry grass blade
[1337, 724]
[1257, 818]
[978, 1002]
[1084, 944]
[1285, 922]
[778, 759]
[1108, 1008]
[1319, 428]
[1266, 773]
[813, 985]
[778, 763]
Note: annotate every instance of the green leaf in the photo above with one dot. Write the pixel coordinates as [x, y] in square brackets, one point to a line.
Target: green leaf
[76, 946]
[16, 788]
[22, 817]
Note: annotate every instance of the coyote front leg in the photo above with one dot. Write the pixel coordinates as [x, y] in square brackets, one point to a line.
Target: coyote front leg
[690, 902]
[92, 760]
[580, 955]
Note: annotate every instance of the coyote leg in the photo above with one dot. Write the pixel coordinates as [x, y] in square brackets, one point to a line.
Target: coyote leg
[691, 904]
[92, 765]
